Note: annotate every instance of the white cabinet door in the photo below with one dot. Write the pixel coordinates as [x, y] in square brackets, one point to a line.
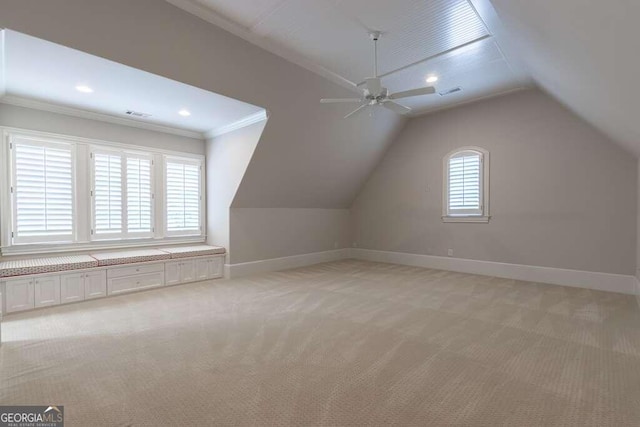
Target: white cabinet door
[216, 266]
[19, 295]
[71, 287]
[46, 291]
[95, 284]
[172, 272]
[202, 268]
[187, 271]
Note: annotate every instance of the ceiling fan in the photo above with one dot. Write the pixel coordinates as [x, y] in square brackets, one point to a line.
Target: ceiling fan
[375, 94]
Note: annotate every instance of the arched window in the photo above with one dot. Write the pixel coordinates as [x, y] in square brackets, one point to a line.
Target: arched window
[466, 185]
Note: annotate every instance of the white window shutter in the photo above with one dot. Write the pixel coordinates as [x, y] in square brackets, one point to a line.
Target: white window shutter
[182, 196]
[139, 196]
[43, 191]
[107, 193]
[465, 184]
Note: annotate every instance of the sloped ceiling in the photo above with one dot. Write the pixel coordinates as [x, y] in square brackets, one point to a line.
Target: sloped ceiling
[449, 39]
[585, 54]
[308, 156]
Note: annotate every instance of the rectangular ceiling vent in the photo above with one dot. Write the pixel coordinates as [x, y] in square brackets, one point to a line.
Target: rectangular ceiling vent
[451, 91]
[137, 114]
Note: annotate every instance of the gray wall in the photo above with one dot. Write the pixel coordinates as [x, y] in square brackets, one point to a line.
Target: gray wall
[321, 160]
[227, 158]
[45, 121]
[638, 234]
[562, 194]
[307, 157]
[263, 233]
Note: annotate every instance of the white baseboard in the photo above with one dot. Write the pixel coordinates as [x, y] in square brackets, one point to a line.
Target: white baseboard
[556, 276]
[275, 264]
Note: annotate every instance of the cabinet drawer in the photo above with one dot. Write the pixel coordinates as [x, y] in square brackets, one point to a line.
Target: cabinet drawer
[134, 269]
[135, 283]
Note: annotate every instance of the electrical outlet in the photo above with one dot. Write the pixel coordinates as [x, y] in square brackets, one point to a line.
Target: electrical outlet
[355, 244]
[450, 252]
[335, 245]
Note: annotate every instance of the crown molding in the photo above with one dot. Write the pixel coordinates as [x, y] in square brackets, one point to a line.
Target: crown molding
[75, 112]
[247, 121]
[212, 17]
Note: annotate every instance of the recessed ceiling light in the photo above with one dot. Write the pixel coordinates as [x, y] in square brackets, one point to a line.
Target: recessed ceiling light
[84, 89]
[432, 79]
[184, 113]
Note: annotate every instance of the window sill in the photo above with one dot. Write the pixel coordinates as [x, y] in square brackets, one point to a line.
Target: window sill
[472, 219]
[44, 249]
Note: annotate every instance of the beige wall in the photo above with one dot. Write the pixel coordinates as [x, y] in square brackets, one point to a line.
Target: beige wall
[45, 121]
[307, 157]
[638, 233]
[562, 194]
[258, 234]
[227, 158]
[321, 160]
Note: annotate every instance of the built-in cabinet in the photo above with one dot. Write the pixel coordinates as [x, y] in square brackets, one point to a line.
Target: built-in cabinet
[46, 291]
[134, 278]
[183, 271]
[81, 286]
[18, 295]
[209, 268]
[26, 293]
[95, 284]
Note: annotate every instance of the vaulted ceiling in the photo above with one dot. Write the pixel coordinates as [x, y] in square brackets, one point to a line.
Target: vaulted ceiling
[583, 53]
[450, 39]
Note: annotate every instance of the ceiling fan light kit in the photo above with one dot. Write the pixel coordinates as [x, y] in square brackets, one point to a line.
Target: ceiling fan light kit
[374, 94]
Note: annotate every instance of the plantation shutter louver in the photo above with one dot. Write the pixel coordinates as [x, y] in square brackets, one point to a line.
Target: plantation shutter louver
[465, 184]
[139, 203]
[43, 191]
[107, 193]
[182, 196]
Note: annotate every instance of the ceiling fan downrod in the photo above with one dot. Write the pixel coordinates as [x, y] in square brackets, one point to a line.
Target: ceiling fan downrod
[375, 35]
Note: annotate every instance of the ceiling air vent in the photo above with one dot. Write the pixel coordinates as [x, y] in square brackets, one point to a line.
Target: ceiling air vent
[137, 114]
[451, 91]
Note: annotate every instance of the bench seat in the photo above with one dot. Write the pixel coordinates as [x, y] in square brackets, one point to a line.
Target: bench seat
[191, 251]
[129, 257]
[21, 267]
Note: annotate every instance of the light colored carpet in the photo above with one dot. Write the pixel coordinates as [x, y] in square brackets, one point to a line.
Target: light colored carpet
[343, 343]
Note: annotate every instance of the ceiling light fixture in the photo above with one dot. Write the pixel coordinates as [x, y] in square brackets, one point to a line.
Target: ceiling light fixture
[184, 113]
[84, 89]
[432, 79]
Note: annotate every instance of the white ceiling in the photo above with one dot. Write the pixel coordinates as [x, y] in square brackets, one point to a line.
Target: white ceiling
[455, 39]
[585, 54]
[45, 72]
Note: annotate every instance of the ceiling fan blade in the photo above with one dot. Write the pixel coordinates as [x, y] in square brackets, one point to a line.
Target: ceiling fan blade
[394, 106]
[413, 92]
[360, 108]
[340, 100]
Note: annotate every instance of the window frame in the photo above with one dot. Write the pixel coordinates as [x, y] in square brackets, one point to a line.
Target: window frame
[484, 215]
[11, 167]
[124, 155]
[190, 161]
[83, 201]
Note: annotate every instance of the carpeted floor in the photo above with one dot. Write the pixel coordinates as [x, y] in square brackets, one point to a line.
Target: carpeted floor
[337, 344]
